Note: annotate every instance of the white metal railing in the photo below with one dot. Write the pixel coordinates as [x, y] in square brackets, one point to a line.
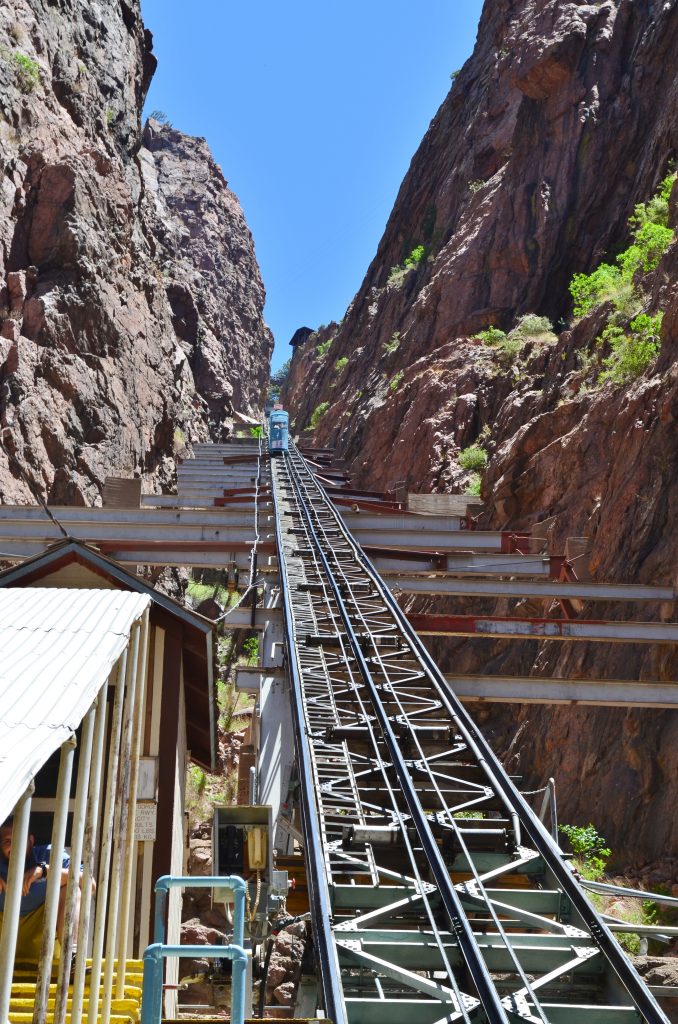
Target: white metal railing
[104, 838]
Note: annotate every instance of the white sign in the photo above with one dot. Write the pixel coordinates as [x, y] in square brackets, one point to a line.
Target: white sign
[145, 821]
[148, 778]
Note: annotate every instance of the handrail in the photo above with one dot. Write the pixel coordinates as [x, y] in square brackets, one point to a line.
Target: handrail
[167, 882]
[151, 1004]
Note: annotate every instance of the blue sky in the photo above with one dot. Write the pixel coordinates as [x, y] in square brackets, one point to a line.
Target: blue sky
[314, 111]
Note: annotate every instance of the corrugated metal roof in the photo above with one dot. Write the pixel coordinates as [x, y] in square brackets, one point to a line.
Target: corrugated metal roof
[57, 648]
[201, 708]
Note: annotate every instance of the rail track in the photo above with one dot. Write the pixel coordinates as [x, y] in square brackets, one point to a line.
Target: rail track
[437, 895]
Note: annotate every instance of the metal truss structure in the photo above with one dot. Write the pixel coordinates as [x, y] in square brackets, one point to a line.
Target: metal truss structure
[436, 893]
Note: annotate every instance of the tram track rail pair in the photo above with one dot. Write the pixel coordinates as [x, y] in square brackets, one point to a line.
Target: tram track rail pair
[436, 893]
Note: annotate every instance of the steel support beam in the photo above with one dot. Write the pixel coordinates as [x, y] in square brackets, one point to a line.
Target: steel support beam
[403, 796]
[444, 585]
[509, 628]
[601, 692]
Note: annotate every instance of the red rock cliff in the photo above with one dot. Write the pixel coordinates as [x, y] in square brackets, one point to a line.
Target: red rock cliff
[564, 118]
[99, 371]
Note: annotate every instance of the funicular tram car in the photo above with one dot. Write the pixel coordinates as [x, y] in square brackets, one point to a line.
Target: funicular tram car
[278, 432]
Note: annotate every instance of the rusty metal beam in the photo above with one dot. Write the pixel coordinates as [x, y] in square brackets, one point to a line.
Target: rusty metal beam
[511, 628]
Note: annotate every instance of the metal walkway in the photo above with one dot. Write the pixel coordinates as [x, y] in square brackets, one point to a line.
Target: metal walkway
[437, 895]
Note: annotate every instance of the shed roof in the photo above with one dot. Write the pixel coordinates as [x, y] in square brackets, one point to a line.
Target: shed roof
[201, 706]
[58, 648]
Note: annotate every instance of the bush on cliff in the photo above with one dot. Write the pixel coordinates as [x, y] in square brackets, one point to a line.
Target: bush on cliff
[323, 348]
[529, 328]
[491, 336]
[318, 413]
[26, 70]
[473, 458]
[616, 282]
[398, 273]
[533, 328]
[631, 352]
[589, 849]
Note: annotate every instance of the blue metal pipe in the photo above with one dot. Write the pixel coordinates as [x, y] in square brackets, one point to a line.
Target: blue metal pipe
[167, 882]
[151, 1003]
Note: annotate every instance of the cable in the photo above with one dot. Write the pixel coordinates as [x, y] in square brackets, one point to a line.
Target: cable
[253, 912]
[252, 586]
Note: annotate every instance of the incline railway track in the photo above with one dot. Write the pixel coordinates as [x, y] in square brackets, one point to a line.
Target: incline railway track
[436, 893]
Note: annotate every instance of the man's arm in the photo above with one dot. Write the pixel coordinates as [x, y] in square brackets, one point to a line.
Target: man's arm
[32, 874]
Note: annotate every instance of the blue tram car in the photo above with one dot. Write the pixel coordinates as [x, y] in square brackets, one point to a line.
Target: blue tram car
[278, 432]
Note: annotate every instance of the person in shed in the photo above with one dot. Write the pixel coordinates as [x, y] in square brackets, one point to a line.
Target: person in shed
[32, 913]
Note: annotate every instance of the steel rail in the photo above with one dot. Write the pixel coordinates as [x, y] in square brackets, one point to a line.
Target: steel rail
[475, 963]
[542, 840]
[602, 936]
[318, 887]
[326, 583]
[448, 813]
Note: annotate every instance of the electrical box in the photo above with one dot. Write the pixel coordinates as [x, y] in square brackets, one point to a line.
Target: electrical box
[241, 844]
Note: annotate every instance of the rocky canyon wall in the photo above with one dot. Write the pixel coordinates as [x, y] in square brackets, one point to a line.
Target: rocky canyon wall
[130, 298]
[564, 118]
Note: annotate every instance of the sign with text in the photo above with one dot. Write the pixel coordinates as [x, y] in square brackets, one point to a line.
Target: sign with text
[145, 821]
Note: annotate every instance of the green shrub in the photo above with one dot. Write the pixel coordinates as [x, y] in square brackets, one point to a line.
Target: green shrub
[651, 242]
[589, 290]
[341, 364]
[631, 354]
[199, 592]
[473, 458]
[250, 649]
[491, 336]
[651, 238]
[228, 699]
[656, 210]
[323, 348]
[391, 346]
[257, 431]
[26, 71]
[475, 186]
[395, 380]
[198, 778]
[532, 326]
[510, 348]
[589, 849]
[415, 257]
[318, 413]
[474, 485]
[397, 274]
